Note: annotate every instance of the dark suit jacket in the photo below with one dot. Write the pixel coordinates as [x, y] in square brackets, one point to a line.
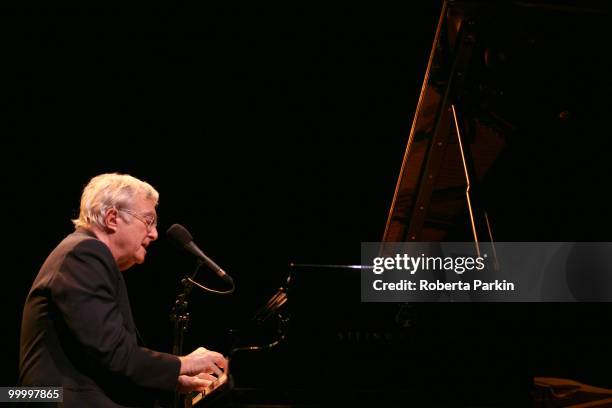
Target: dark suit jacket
[78, 332]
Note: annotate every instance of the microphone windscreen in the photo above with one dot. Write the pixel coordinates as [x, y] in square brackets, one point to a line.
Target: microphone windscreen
[179, 234]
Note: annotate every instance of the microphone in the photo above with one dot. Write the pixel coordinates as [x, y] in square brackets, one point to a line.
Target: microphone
[180, 236]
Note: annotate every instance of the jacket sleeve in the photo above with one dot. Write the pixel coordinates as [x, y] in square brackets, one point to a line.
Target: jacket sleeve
[84, 289]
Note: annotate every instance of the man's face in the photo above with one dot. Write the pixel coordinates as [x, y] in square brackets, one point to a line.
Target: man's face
[133, 234]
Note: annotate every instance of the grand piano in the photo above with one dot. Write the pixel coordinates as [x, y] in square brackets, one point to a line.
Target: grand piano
[510, 142]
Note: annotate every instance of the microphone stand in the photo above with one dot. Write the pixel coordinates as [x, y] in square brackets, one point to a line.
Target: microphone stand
[180, 317]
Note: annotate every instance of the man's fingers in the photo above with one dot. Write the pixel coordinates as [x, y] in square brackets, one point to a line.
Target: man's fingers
[218, 363]
[206, 376]
[203, 360]
[205, 385]
[215, 370]
[188, 383]
[219, 359]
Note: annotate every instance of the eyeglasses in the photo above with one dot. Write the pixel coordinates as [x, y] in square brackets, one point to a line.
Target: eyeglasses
[150, 221]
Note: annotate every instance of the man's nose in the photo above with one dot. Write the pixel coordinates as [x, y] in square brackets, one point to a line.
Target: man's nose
[153, 234]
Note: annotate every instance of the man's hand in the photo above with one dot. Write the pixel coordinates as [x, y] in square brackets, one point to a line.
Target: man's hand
[198, 383]
[202, 361]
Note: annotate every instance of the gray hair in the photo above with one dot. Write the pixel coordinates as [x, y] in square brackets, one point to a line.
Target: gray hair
[107, 191]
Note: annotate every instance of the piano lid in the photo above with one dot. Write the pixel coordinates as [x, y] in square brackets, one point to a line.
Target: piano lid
[510, 136]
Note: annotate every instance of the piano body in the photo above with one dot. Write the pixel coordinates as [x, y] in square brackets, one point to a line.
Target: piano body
[510, 142]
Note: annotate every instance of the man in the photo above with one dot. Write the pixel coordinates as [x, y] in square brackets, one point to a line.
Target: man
[77, 330]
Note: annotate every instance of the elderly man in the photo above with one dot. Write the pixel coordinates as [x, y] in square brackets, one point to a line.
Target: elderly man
[77, 330]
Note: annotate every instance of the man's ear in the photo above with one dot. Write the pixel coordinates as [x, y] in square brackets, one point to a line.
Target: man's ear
[110, 219]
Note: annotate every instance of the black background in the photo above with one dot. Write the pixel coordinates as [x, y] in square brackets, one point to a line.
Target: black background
[273, 135]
